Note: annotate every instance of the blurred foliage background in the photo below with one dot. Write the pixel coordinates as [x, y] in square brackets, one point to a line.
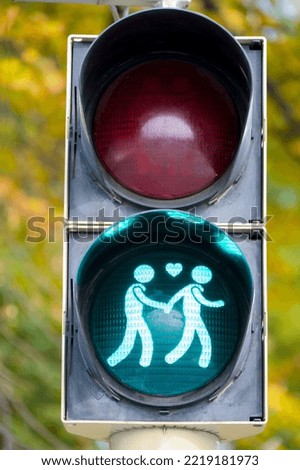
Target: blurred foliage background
[32, 112]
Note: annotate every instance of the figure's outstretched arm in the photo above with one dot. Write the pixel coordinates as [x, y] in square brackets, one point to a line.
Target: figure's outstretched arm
[139, 294]
[176, 297]
[202, 300]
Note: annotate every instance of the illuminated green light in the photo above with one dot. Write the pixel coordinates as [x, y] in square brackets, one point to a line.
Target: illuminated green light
[193, 323]
[135, 301]
[165, 319]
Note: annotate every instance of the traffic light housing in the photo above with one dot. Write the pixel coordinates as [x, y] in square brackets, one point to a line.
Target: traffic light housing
[165, 133]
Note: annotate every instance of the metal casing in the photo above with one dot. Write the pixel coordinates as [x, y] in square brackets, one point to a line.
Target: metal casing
[239, 410]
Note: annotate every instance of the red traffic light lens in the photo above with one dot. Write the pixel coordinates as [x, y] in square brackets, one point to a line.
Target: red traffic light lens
[166, 129]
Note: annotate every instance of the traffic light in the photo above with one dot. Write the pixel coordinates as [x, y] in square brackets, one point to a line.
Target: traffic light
[164, 305]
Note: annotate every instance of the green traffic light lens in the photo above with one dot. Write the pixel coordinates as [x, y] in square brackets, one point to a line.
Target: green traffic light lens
[165, 301]
[178, 121]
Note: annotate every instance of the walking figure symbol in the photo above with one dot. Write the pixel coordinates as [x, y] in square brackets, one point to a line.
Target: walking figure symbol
[192, 297]
[135, 299]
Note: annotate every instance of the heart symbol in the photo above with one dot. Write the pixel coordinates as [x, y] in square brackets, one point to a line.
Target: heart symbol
[174, 269]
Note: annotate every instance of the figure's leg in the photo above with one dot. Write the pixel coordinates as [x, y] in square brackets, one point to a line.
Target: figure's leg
[125, 347]
[147, 345]
[205, 341]
[183, 345]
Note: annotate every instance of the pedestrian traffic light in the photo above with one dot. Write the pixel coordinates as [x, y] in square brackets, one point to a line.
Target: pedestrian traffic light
[164, 311]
